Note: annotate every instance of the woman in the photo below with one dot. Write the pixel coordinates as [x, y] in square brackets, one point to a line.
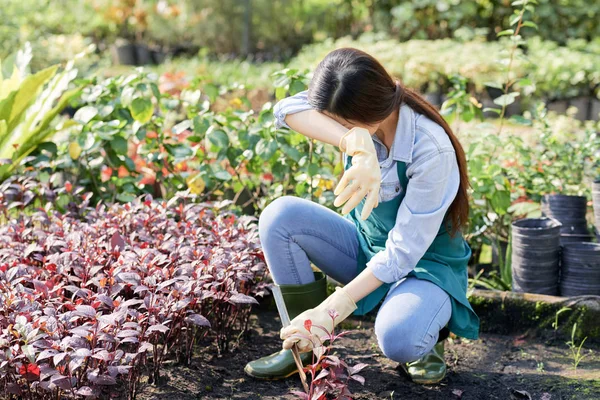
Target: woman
[400, 244]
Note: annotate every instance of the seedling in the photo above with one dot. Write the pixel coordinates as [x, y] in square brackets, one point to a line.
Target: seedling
[575, 349]
[562, 310]
[329, 374]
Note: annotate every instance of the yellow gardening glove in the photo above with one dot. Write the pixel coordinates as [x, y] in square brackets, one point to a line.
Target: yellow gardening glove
[339, 301]
[363, 177]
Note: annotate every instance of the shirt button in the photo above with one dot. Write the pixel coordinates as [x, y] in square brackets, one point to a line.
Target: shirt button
[397, 189]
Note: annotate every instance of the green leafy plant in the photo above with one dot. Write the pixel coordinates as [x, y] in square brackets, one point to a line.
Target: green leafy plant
[562, 310]
[461, 105]
[517, 23]
[576, 349]
[29, 105]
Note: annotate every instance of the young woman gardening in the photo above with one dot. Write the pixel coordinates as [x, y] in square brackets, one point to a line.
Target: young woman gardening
[405, 194]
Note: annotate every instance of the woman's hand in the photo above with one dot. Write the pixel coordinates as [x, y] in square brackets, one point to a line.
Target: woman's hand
[363, 177]
[342, 301]
[339, 301]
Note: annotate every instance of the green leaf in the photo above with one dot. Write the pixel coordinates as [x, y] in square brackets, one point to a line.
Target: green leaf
[201, 125]
[313, 169]
[524, 208]
[179, 151]
[50, 147]
[119, 144]
[218, 138]
[495, 110]
[182, 126]
[525, 82]
[211, 91]
[141, 110]
[27, 92]
[505, 32]
[155, 90]
[500, 201]
[85, 114]
[506, 99]
[297, 86]
[265, 148]
[125, 197]
[301, 188]
[223, 175]
[291, 152]
[530, 24]
[514, 20]
[280, 93]
[519, 119]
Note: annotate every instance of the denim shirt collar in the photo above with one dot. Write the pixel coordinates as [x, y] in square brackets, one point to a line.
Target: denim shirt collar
[404, 140]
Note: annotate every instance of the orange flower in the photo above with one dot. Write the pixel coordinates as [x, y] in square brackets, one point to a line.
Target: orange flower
[106, 173]
[182, 166]
[148, 176]
[122, 173]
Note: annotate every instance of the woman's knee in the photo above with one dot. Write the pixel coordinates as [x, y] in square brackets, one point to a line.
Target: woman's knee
[278, 215]
[401, 343]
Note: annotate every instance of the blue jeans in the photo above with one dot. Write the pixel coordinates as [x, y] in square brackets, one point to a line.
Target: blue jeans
[295, 232]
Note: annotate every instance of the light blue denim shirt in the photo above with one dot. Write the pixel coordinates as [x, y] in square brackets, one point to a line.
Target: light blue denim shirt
[434, 178]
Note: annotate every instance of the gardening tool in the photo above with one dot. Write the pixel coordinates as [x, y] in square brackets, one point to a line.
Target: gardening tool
[285, 321]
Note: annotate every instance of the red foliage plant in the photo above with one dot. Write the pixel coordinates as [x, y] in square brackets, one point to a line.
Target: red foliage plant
[97, 296]
[329, 374]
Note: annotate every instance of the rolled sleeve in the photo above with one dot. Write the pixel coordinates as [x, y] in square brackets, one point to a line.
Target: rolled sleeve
[432, 186]
[290, 105]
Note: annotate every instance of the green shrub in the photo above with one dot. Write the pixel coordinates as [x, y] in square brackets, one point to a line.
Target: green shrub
[29, 105]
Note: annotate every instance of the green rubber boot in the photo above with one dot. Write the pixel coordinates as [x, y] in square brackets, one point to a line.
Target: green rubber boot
[429, 369]
[298, 298]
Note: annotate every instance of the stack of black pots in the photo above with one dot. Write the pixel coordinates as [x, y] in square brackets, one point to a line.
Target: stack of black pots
[570, 211]
[580, 269]
[536, 255]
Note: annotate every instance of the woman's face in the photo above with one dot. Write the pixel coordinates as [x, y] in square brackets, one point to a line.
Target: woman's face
[372, 128]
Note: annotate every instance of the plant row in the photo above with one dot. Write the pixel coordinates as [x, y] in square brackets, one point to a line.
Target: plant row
[554, 72]
[101, 296]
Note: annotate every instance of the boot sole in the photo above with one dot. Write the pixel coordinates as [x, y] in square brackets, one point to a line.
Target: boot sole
[270, 378]
[274, 378]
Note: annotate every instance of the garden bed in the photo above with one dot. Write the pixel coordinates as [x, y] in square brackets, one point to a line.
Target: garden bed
[494, 367]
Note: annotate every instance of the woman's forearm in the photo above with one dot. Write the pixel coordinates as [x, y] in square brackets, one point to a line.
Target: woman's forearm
[315, 125]
[361, 286]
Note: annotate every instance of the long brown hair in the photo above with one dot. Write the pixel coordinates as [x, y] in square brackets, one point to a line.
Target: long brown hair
[353, 85]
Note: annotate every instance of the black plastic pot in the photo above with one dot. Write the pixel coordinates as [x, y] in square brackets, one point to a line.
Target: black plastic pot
[143, 56]
[124, 54]
[596, 202]
[536, 255]
[580, 269]
[569, 211]
[566, 239]
[158, 56]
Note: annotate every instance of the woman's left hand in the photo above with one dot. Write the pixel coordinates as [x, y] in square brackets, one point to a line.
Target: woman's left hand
[340, 302]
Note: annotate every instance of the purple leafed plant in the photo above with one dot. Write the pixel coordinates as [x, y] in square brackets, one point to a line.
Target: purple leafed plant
[329, 374]
[97, 297]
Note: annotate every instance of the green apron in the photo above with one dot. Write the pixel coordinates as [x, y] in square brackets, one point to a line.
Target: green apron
[444, 263]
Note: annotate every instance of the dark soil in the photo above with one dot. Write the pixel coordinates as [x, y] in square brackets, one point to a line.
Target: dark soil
[494, 367]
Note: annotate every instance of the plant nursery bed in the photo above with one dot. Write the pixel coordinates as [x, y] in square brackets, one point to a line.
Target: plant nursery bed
[493, 367]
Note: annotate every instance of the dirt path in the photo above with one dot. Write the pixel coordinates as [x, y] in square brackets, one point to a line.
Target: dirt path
[494, 367]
